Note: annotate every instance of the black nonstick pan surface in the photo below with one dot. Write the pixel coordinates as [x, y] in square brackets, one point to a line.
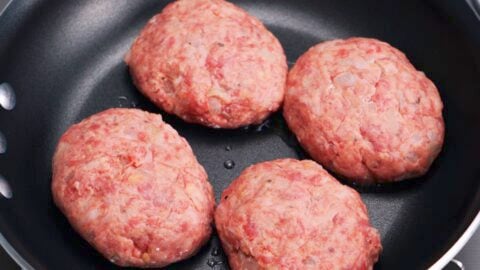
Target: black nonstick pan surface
[64, 62]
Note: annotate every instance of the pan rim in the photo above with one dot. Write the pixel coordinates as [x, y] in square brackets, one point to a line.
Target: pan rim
[12, 252]
[459, 244]
[438, 265]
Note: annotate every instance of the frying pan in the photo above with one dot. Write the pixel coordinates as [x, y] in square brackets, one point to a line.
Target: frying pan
[62, 61]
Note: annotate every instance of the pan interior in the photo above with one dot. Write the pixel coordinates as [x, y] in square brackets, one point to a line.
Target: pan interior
[65, 62]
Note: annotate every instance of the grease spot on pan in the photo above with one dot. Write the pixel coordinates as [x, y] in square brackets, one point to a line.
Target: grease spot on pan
[229, 164]
[212, 262]
[5, 189]
[7, 96]
[263, 126]
[124, 102]
[216, 252]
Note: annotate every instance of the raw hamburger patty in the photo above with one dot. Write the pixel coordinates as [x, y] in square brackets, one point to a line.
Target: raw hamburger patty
[290, 214]
[131, 186]
[361, 109]
[209, 62]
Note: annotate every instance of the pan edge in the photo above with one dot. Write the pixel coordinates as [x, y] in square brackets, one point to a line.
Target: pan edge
[459, 244]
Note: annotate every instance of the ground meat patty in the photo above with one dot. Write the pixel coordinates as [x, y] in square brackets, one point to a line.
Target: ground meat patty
[132, 187]
[361, 109]
[209, 62]
[290, 214]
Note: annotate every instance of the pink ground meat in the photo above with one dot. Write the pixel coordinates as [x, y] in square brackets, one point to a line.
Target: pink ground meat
[290, 214]
[209, 62]
[132, 187]
[361, 109]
